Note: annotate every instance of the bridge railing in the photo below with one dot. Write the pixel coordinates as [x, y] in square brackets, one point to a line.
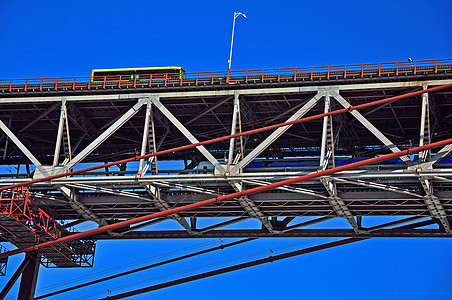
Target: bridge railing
[356, 71]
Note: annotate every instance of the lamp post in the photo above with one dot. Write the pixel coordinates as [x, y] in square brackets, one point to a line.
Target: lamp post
[236, 14]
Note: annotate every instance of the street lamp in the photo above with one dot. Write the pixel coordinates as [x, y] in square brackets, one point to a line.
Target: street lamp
[236, 14]
[410, 61]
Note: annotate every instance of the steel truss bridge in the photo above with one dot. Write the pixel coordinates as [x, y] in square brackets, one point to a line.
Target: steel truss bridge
[53, 126]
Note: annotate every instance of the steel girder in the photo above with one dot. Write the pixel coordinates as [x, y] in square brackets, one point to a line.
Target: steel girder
[204, 114]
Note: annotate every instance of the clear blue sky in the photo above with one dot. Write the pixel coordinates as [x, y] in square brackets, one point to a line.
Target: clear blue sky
[69, 38]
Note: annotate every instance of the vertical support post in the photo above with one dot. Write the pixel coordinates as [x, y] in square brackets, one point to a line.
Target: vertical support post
[235, 112]
[145, 135]
[154, 143]
[59, 135]
[424, 137]
[29, 277]
[324, 131]
[242, 150]
[7, 139]
[66, 120]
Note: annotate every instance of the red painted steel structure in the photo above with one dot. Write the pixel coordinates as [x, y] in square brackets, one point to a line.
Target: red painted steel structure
[24, 223]
[320, 173]
[372, 70]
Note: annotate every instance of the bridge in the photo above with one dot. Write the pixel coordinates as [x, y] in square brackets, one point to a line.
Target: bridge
[350, 142]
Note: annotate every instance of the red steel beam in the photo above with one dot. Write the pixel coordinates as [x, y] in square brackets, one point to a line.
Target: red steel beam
[219, 199]
[319, 116]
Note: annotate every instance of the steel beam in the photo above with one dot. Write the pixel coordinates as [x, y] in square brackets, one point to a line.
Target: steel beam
[235, 114]
[434, 204]
[291, 189]
[326, 150]
[380, 186]
[327, 161]
[377, 133]
[278, 132]
[219, 199]
[153, 190]
[190, 188]
[56, 154]
[155, 100]
[339, 205]
[424, 135]
[29, 277]
[107, 133]
[378, 102]
[81, 209]
[144, 142]
[437, 157]
[208, 110]
[19, 144]
[162, 205]
[5, 150]
[222, 93]
[292, 233]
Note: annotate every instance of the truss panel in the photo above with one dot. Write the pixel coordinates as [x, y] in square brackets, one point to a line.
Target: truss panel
[110, 124]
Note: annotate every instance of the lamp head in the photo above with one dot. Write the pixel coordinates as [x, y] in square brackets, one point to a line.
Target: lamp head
[236, 14]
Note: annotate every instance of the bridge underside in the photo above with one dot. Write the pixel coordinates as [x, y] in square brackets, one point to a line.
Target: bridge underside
[46, 133]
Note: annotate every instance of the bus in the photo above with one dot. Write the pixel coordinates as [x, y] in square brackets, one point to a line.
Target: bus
[134, 74]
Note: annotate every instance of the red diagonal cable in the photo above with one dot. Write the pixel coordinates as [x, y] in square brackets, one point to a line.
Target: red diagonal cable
[319, 116]
[218, 199]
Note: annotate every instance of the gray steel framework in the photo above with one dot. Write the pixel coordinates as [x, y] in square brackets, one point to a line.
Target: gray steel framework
[106, 126]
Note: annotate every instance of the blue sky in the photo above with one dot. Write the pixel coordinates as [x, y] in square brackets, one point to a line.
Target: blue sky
[69, 38]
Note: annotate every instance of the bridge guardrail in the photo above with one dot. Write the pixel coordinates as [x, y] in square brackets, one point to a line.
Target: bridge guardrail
[371, 70]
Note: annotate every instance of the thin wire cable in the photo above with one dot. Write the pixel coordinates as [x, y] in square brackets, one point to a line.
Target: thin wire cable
[110, 270]
[158, 264]
[205, 266]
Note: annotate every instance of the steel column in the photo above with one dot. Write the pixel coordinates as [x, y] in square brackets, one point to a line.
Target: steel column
[145, 135]
[235, 113]
[424, 136]
[29, 277]
[56, 154]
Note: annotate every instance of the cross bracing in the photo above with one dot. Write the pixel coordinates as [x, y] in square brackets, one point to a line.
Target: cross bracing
[108, 126]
